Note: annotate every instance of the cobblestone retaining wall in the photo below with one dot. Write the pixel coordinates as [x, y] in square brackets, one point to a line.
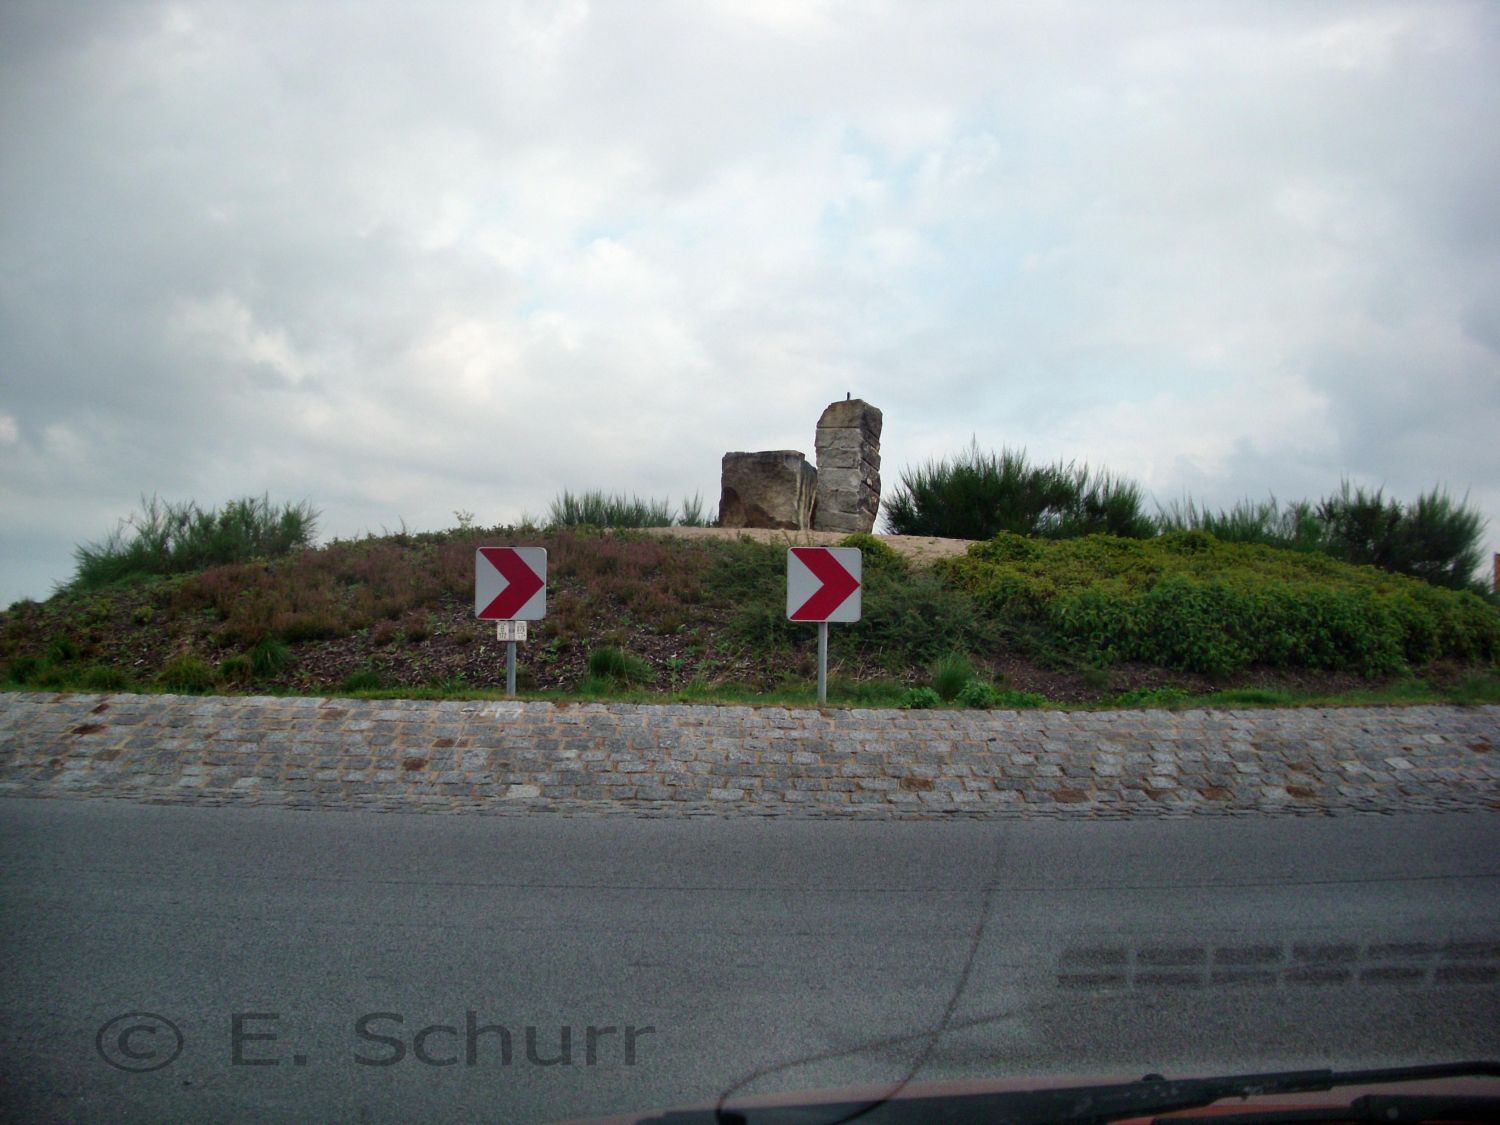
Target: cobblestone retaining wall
[514, 757]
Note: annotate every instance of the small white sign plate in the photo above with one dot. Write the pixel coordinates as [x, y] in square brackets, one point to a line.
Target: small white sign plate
[510, 630]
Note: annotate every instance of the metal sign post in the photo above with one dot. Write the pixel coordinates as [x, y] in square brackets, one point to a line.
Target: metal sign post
[823, 584]
[822, 662]
[510, 589]
[511, 632]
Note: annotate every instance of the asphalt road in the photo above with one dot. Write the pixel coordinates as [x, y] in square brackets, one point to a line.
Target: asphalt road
[325, 965]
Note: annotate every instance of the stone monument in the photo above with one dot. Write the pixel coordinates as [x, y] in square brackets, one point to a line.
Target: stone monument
[848, 476]
[774, 488]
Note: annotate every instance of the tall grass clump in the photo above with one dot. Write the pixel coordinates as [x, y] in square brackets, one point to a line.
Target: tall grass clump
[977, 495]
[1293, 527]
[691, 514]
[167, 538]
[951, 675]
[598, 509]
[1435, 538]
[611, 666]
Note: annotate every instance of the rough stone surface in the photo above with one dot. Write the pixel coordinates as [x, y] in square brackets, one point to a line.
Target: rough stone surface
[848, 452]
[774, 488]
[508, 757]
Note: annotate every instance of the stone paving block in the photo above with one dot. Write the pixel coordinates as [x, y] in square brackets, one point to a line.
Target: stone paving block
[592, 759]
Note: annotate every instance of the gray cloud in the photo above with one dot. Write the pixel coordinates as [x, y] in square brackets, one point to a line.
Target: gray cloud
[401, 260]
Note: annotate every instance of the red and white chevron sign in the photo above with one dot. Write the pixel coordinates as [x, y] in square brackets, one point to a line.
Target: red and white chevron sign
[510, 583]
[823, 583]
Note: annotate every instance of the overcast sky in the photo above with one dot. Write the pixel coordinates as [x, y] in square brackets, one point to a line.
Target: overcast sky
[404, 259]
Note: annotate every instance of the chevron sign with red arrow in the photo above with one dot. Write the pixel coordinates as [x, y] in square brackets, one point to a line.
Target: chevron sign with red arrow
[510, 583]
[823, 583]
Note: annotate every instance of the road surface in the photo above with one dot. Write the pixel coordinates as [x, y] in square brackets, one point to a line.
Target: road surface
[360, 966]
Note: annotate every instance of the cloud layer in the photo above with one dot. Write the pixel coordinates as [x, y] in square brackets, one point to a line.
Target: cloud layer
[400, 260]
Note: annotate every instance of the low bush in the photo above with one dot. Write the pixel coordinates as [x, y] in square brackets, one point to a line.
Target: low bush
[951, 675]
[866, 693]
[1187, 601]
[24, 670]
[238, 670]
[977, 694]
[270, 657]
[876, 555]
[366, 679]
[920, 699]
[101, 677]
[612, 664]
[187, 675]
[1152, 697]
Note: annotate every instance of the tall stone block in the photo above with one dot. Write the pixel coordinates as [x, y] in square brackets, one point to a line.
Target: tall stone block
[848, 452]
[774, 488]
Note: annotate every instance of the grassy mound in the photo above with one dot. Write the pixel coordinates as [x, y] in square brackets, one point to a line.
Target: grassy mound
[1016, 622]
[1187, 601]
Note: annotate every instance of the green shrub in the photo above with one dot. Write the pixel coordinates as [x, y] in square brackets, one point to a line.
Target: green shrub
[979, 695]
[1185, 600]
[875, 555]
[976, 495]
[167, 538]
[1152, 697]
[238, 669]
[366, 679]
[1019, 700]
[101, 677]
[909, 620]
[984, 697]
[1435, 538]
[611, 663]
[920, 699]
[951, 674]
[25, 670]
[187, 675]
[61, 649]
[270, 657]
[867, 693]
